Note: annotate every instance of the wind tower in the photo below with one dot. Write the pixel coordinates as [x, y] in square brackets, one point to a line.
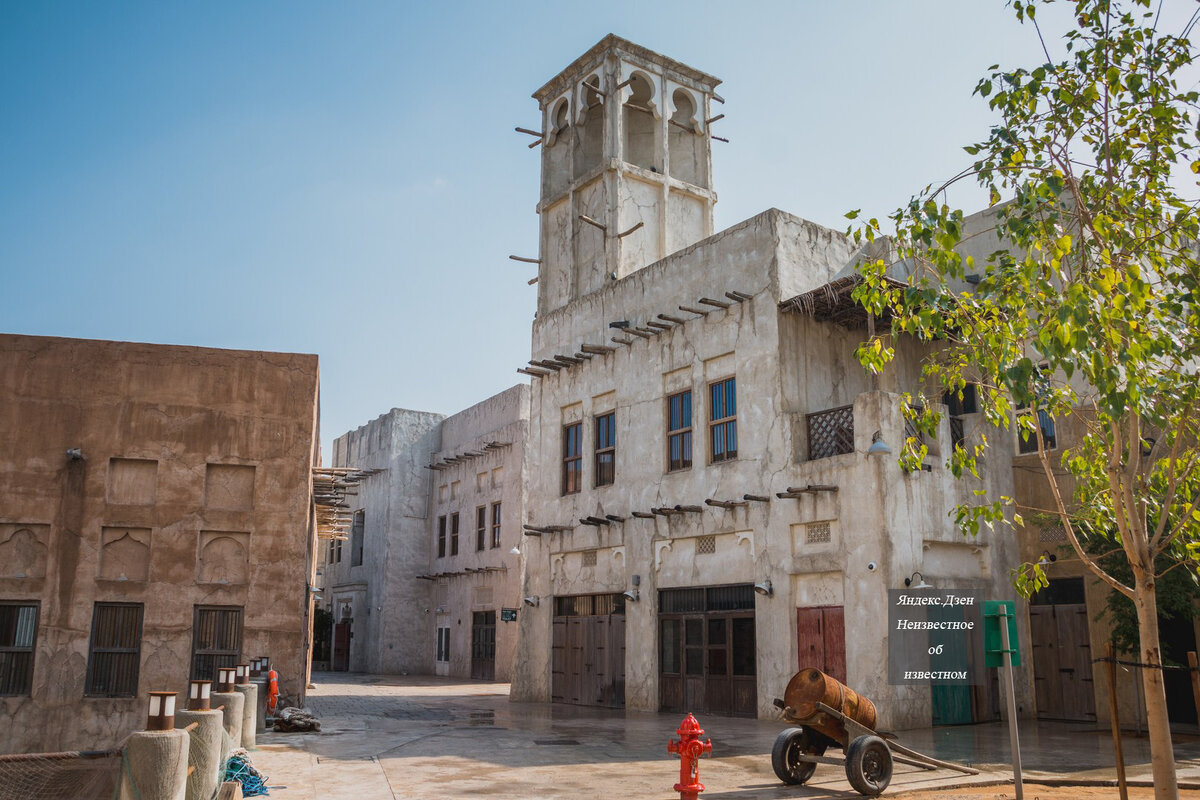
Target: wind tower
[626, 167]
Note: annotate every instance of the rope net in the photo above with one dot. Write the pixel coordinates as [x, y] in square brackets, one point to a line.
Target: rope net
[50, 776]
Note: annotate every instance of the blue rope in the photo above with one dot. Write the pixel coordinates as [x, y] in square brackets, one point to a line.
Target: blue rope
[254, 783]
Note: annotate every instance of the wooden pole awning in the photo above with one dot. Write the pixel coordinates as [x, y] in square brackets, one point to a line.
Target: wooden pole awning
[331, 486]
[464, 457]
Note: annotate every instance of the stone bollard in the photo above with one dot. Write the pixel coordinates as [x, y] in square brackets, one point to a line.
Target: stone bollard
[231, 705]
[157, 763]
[205, 752]
[249, 713]
[260, 717]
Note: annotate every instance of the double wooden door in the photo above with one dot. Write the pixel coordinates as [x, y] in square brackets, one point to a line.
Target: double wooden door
[483, 646]
[588, 660]
[1062, 661]
[707, 663]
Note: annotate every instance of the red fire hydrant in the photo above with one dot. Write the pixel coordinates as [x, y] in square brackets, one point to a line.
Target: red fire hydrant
[690, 748]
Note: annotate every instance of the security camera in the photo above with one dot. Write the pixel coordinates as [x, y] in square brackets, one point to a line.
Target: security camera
[764, 588]
[872, 566]
[532, 601]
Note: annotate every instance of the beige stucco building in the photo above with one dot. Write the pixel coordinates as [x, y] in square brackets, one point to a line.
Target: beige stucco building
[703, 515]
[425, 581]
[156, 522]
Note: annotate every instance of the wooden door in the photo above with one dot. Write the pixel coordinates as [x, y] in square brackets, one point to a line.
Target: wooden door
[483, 646]
[1062, 662]
[821, 640]
[951, 702]
[341, 647]
[588, 660]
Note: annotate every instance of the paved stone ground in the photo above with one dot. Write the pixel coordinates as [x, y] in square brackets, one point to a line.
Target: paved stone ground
[387, 737]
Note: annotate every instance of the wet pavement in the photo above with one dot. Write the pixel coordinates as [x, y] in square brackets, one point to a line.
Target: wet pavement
[416, 736]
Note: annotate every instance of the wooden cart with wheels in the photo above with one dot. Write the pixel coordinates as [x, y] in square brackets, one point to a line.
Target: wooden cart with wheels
[869, 755]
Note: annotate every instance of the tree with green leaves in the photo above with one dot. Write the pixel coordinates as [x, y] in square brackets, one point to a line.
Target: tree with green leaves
[1088, 313]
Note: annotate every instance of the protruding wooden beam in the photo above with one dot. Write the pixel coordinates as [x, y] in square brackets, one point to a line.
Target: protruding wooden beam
[739, 297]
[789, 495]
[641, 515]
[718, 98]
[708, 301]
[665, 512]
[624, 83]
[720, 138]
[662, 326]
[615, 518]
[669, 318]
[531, 281]
[726, 503]
[812, 488]
[538, 134]
[593, 222]
[596, 349]
[525, 260]
[691, 509]
[622, 340]
[631, 230]
[595, 89]
[554, 365]
[711, 120]
[639, 332]
[648, 332]
[567, 359]
[758, 498]
[535, 372]
[701, 311]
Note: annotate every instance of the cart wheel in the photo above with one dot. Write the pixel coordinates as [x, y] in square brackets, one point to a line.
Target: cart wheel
[869, 765]
[790, 743]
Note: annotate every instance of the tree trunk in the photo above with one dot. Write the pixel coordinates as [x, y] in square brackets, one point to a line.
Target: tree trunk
[1166, 786]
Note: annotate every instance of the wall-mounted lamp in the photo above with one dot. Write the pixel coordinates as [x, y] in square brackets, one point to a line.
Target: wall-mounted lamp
[878, 445]
[764, 588]
[242, 674]
[161, 714]
[922, 585]
[225, 679]
[516, 551]
[75, 454]
[632, 594]
[1047, 558]
[533, 602]
[199, 695]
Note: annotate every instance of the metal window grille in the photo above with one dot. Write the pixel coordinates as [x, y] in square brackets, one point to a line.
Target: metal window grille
[584, 605]
[18, 633]
[1052, 534]
[713, 598]
[454, 534]
[480, 527]
[572, 469]
[911, 431]
[706, 545]
[216, 640]
[606, 449]
[722, 428]
[679, 431]
[589, 558]
[957, 431]
[496, 524]
[114, 653]
[817, 533]
[831, 432]
[442, 536]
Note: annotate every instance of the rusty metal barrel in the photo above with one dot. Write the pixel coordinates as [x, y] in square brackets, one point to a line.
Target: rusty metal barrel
[811, 686]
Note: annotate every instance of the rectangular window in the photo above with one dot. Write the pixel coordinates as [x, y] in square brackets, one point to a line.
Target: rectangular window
[442, 536]
[572, 470]
[722, 416]
[357, 532]
[606, 449]
[443, 644]
[480, 527]
[454, 534]
[337, 550]
[216, 640]
[679, 431]
[18, 633]
[115, 651]
[495, 524]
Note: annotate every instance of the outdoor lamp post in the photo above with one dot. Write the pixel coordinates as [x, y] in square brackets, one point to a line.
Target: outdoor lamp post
[161, 714]
[199, 696]
[225, 677]
[243, 674]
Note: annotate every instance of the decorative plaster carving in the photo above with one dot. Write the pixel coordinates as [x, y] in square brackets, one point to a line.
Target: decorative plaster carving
[747, 536]
[665, 544]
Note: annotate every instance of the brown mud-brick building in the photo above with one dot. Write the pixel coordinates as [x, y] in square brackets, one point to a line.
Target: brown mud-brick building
[156, 521]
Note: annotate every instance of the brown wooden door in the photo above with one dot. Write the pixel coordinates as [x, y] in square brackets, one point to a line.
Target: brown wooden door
[341, 647]
[588, 660]
[821, 640]
[707, 664]
[1062, 662]
[483, 646]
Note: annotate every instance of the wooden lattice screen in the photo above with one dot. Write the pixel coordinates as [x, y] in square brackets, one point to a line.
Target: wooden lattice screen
[831, 432]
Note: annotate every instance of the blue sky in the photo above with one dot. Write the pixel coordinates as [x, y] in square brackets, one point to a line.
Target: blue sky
[343, 178]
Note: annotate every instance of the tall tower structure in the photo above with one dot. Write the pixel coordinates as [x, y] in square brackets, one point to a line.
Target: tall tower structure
[626, 167]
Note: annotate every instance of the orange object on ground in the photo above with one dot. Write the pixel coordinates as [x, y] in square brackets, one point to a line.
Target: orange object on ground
[811, 686]
[272, 690]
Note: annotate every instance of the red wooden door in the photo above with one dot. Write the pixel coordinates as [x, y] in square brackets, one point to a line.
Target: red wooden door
[341, 647]
[821, 640]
